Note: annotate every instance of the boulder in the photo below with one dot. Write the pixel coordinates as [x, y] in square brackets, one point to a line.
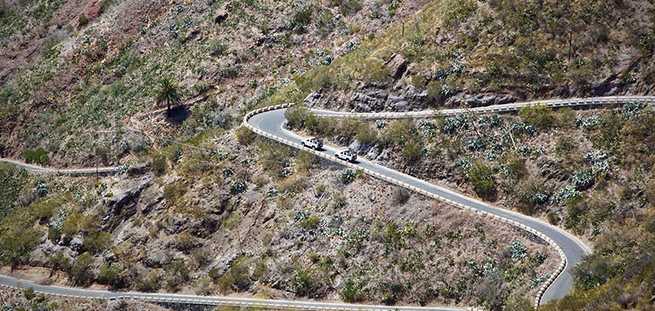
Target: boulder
[373, 153]
[157, 258]
[312, 99]
[397, 66]
[220, 16]
[358, 147]
[76, 243]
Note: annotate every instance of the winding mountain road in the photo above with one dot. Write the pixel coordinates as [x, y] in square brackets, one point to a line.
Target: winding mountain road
[269, 122]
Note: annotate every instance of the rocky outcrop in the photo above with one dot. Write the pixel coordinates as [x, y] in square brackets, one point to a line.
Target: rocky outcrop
[121, 202]
[369, 100]
[397, 66]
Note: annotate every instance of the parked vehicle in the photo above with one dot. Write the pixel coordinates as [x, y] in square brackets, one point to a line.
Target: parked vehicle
[347, 155]
[313, 143]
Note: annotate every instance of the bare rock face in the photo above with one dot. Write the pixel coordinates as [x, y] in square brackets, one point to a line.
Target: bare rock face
[122, 201]
[369, 100]
[550, 169]
[157, 258]
[397, 66]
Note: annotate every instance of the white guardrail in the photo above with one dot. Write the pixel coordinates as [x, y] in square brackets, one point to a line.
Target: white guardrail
[553, 103]
[591, 102]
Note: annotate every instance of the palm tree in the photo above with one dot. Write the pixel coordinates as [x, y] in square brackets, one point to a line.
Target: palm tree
[167, 93]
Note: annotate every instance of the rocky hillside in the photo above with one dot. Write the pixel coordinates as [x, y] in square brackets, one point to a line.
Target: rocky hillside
[68, 67]
[222, 212]
[212, 223]
[473, 53]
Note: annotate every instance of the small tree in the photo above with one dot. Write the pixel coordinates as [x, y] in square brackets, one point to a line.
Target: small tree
[59, 261]
[167, 93]
[81, 272]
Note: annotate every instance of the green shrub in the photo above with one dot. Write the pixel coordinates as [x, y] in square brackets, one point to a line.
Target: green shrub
[412, 152]
[302, 18]
[16, 244]
[237, 278]
[310, 223]
[296, 116]
[112, 275]
[97, 242]
[400, 132]
[150, 282]
[36, 156]
[177, 273]
[457, 11]
[352, 291]
[482, 179]
[539, 116]
[81, 272]
[159, 164]
[82, 20]
[12, 181]
[59, 261]
[303, 283]
[366, 135]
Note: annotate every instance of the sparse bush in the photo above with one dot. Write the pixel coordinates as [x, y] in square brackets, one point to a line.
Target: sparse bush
[310, 223]
[304, 284]
[347, 7]
[399, 196]
[245, 136]
[347, 177]
[36, 156]
[482, 179]
[174, 192]
[305, 161]
[81, 272]
[400, 132]
[366, 135]
[177, 273]
[292, 184]
[260, 180]
[352, 291]
[302, 18]
[151, 282]
[185, 242]
[217, 48]
[112, 275]
[539, 116]
[159, 164]
[412, 152]
[97, 242]
[237, 278]
[82, 20]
